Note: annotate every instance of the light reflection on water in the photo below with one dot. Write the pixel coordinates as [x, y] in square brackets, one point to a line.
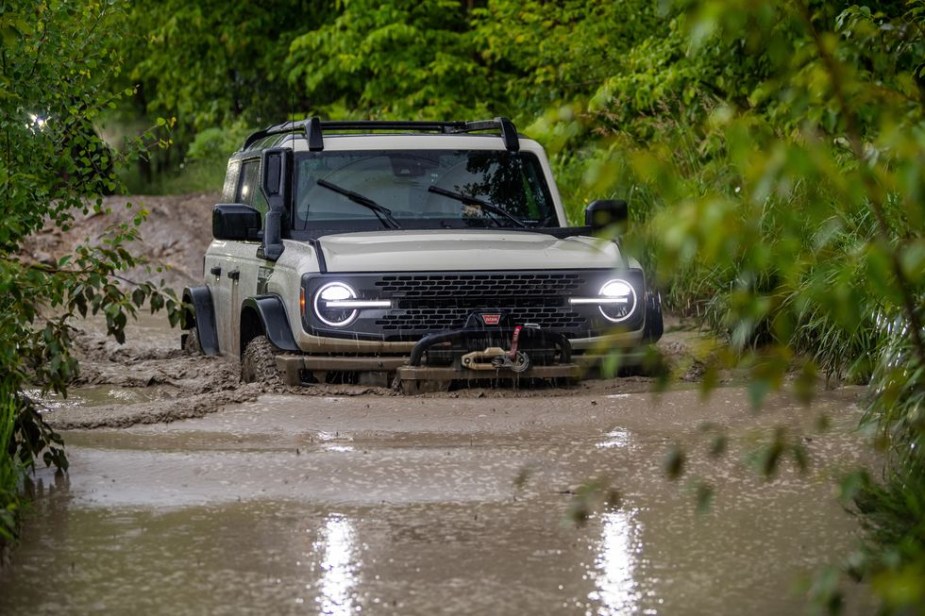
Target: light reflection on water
[339, 566]
[207, 528]
[615, 564]
[616, 439]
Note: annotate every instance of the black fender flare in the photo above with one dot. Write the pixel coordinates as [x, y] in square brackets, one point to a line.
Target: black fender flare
[275, 322]
[203, 317]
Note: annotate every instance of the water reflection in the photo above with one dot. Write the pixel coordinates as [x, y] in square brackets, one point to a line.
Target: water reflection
[616, 439]
[615, 565]
[337, 545]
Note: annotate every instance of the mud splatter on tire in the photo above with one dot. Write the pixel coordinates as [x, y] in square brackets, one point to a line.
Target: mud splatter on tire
[258, 364]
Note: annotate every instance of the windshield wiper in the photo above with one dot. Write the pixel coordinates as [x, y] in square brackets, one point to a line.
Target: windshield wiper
[384, 214]
[467, 200]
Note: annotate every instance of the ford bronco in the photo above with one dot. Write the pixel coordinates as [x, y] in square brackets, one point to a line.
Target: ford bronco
[411, 252]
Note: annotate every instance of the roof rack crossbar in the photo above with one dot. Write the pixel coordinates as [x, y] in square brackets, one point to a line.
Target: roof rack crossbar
[313, 129]
[508, 131]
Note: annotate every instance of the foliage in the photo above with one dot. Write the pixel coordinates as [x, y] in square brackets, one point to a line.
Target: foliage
[772, 154]
[9, 473]
[209, 63]
[56, 67]
[787, 189]
[407, 59]
[551, 54]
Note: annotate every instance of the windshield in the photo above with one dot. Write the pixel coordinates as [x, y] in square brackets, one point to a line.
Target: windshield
[420, 189]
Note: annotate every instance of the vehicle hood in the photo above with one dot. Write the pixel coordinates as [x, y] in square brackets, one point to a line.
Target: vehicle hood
[464, 250]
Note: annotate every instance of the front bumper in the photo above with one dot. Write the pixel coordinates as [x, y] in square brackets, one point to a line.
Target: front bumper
[474, 352]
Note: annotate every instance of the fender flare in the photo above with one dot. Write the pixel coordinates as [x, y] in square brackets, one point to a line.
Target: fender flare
[272, 314]
[203, 317]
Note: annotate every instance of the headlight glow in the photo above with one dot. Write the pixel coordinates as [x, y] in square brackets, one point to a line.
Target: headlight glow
[326, 304]
[618, 300]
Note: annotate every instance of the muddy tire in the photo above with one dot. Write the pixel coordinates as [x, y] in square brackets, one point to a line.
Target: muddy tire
[258, 364]
[191, 344]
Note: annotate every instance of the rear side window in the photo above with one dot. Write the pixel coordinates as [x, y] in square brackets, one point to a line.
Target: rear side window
[249, 187]
[231, 182]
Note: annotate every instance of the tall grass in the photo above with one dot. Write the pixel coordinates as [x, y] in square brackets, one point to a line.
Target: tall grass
[10, 471]
[893, 508]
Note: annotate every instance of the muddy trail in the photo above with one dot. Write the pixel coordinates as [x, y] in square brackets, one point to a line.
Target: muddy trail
[191, 493]
[149, 379]
[480, 503]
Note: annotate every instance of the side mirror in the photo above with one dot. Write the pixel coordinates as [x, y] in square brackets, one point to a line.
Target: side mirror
[274, 165]
[603, 213]
[235, 221]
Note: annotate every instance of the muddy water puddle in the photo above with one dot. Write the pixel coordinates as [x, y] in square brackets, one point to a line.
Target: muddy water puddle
[301, 505]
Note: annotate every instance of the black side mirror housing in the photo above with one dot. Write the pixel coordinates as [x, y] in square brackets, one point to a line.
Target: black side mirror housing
[274, 175]
[603, 213]
[235, 221]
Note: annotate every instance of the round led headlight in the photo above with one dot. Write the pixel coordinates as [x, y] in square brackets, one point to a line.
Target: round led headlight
[333, 305]
[618, 300]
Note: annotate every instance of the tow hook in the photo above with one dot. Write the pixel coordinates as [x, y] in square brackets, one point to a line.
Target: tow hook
[496, 358]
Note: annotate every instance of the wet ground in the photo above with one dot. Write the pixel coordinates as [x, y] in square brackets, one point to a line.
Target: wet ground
[330, 504]
[191, 494]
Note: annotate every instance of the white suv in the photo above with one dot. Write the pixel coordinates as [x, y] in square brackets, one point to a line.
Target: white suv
[426, 251]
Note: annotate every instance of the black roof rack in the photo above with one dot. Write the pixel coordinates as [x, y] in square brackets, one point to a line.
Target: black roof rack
[313, 129]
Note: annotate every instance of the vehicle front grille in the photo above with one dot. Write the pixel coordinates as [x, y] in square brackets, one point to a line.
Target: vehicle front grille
[482, 285]
[450, 317]
[430, 302]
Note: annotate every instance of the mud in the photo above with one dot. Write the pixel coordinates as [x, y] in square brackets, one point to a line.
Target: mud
[190, 493]
[173, 239]
[296, 504]
[150, 379]
[167, 384]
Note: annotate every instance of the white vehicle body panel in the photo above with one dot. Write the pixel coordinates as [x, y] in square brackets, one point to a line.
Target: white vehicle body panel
[237, 264]
[404, 251]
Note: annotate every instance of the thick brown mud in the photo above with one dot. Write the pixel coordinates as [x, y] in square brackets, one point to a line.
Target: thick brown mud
[383, 504]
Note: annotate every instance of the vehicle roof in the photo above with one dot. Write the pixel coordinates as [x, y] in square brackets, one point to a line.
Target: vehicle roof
[389, 141]
[315, 135]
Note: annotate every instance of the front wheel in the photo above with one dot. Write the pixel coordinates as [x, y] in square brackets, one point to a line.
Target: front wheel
[258, 363]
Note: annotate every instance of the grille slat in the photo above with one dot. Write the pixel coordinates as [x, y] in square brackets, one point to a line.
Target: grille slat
[481, 285]
[429, 302]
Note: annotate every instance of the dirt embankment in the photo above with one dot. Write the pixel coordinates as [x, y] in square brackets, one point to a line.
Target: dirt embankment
[174, 237]
[164, 382]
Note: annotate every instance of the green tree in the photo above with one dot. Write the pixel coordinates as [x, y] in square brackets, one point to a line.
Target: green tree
[57, 63]
[547, 54]
[401, 59]
[779, 149]
[208, 64]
